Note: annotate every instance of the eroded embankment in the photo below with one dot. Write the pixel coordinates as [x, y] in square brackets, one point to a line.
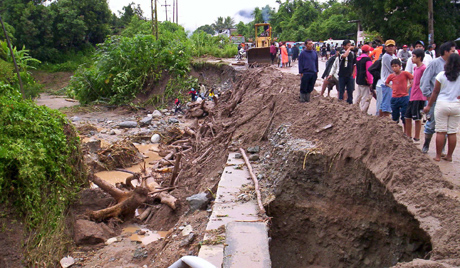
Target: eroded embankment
[335, 213]
[402, 179]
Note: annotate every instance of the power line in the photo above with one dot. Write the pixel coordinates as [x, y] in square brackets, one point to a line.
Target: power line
[166, 9]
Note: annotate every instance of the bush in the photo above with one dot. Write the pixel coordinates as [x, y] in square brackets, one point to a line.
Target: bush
[204, 44]
[40, 166]
[122, 65]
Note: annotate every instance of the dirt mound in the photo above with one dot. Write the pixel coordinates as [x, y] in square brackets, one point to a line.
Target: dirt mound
[265, 98]
[349, 181]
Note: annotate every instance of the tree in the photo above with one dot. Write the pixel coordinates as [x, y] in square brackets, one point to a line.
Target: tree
[405, 21]
[218, 25]
[205, 28]
[129, 11]
[228, 23]
[242, 29]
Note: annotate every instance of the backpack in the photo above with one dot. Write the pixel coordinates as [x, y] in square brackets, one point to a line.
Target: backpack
[375, 68]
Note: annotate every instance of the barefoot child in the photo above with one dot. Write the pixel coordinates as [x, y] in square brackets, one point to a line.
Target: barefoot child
[402, 81]
[416, 100]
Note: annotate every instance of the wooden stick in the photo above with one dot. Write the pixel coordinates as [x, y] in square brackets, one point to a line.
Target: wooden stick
[201, 157]
[265, 134]
[254, 179]
[176, 170]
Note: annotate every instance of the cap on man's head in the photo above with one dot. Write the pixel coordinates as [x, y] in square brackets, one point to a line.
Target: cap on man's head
[365, 48]
[404, 46]
[419, 42]
[390, 42]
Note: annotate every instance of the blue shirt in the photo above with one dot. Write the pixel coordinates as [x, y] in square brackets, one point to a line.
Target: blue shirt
[308, 62]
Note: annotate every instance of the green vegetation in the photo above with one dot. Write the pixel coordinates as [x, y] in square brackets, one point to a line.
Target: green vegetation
[24, 62]
[217, 46]
[403, 21]
[123, 65]
[40, 169]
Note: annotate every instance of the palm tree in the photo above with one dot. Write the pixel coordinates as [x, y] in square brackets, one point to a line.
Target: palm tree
[218, 25]
[229, 23]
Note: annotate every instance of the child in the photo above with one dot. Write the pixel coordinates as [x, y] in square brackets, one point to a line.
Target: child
[401, 82]
[177, 106]
[416, 100]
[193, 94]
[211, 94]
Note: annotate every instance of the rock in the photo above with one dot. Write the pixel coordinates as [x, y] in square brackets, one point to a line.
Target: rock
[254, 157]
[164, 111]
[254, 150]
[180, 116]
[168, 114]
[115, 132]
[155, 138]
[173, 120]
[197, 112]
[156, 114]
[188, 240]
[162, 122]
[238, 156]
[260, 176]
[75, 119]
[93, 145]
[145, 121]
[187, 230]
[67, 262]
[111, 240]
[149, 115]
[128, 124]
[91, 233]
[140, 253]
[197, 201]
[92, 133]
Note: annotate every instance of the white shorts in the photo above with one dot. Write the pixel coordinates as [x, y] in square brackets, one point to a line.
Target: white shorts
[447, 116]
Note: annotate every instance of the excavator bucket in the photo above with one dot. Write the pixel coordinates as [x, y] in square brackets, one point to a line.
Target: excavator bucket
[259, 56]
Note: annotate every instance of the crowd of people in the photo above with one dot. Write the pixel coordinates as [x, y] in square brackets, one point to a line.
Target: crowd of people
[407, 84]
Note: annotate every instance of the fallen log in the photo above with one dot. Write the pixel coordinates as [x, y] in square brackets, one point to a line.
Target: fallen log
[124, 209]
[145, 214]
[165, 198]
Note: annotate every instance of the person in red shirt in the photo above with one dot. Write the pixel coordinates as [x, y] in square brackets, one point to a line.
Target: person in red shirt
[401, 82]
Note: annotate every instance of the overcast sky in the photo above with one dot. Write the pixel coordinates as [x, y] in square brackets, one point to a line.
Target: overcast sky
[195, 13]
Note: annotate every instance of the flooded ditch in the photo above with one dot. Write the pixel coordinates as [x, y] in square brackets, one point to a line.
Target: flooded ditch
[333, 212]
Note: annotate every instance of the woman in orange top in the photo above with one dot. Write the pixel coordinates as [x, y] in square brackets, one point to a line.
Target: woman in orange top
[284, 55]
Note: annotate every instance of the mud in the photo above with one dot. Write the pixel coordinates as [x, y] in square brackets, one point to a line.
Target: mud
[354, 194]
[337, 214]
[410, 204]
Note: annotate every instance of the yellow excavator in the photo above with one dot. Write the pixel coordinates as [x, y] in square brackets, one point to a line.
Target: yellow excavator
[260, 54]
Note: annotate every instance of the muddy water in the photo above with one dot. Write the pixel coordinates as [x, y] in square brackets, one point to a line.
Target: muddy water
[143, 235]
[150, 153]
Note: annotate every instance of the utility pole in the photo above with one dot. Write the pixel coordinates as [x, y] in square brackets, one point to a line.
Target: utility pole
[177, 11]
[174, 11]
[430, 23]
[166, 9]
[153, 18]
[156, 19]
[14, 59]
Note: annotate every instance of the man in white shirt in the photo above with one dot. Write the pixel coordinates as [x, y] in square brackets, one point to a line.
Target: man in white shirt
[410, 66]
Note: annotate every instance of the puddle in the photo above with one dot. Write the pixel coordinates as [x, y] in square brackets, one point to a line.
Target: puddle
[143, 235]
[148, 150]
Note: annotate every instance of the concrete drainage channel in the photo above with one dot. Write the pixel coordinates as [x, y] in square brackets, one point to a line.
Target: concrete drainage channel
[235, 220]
